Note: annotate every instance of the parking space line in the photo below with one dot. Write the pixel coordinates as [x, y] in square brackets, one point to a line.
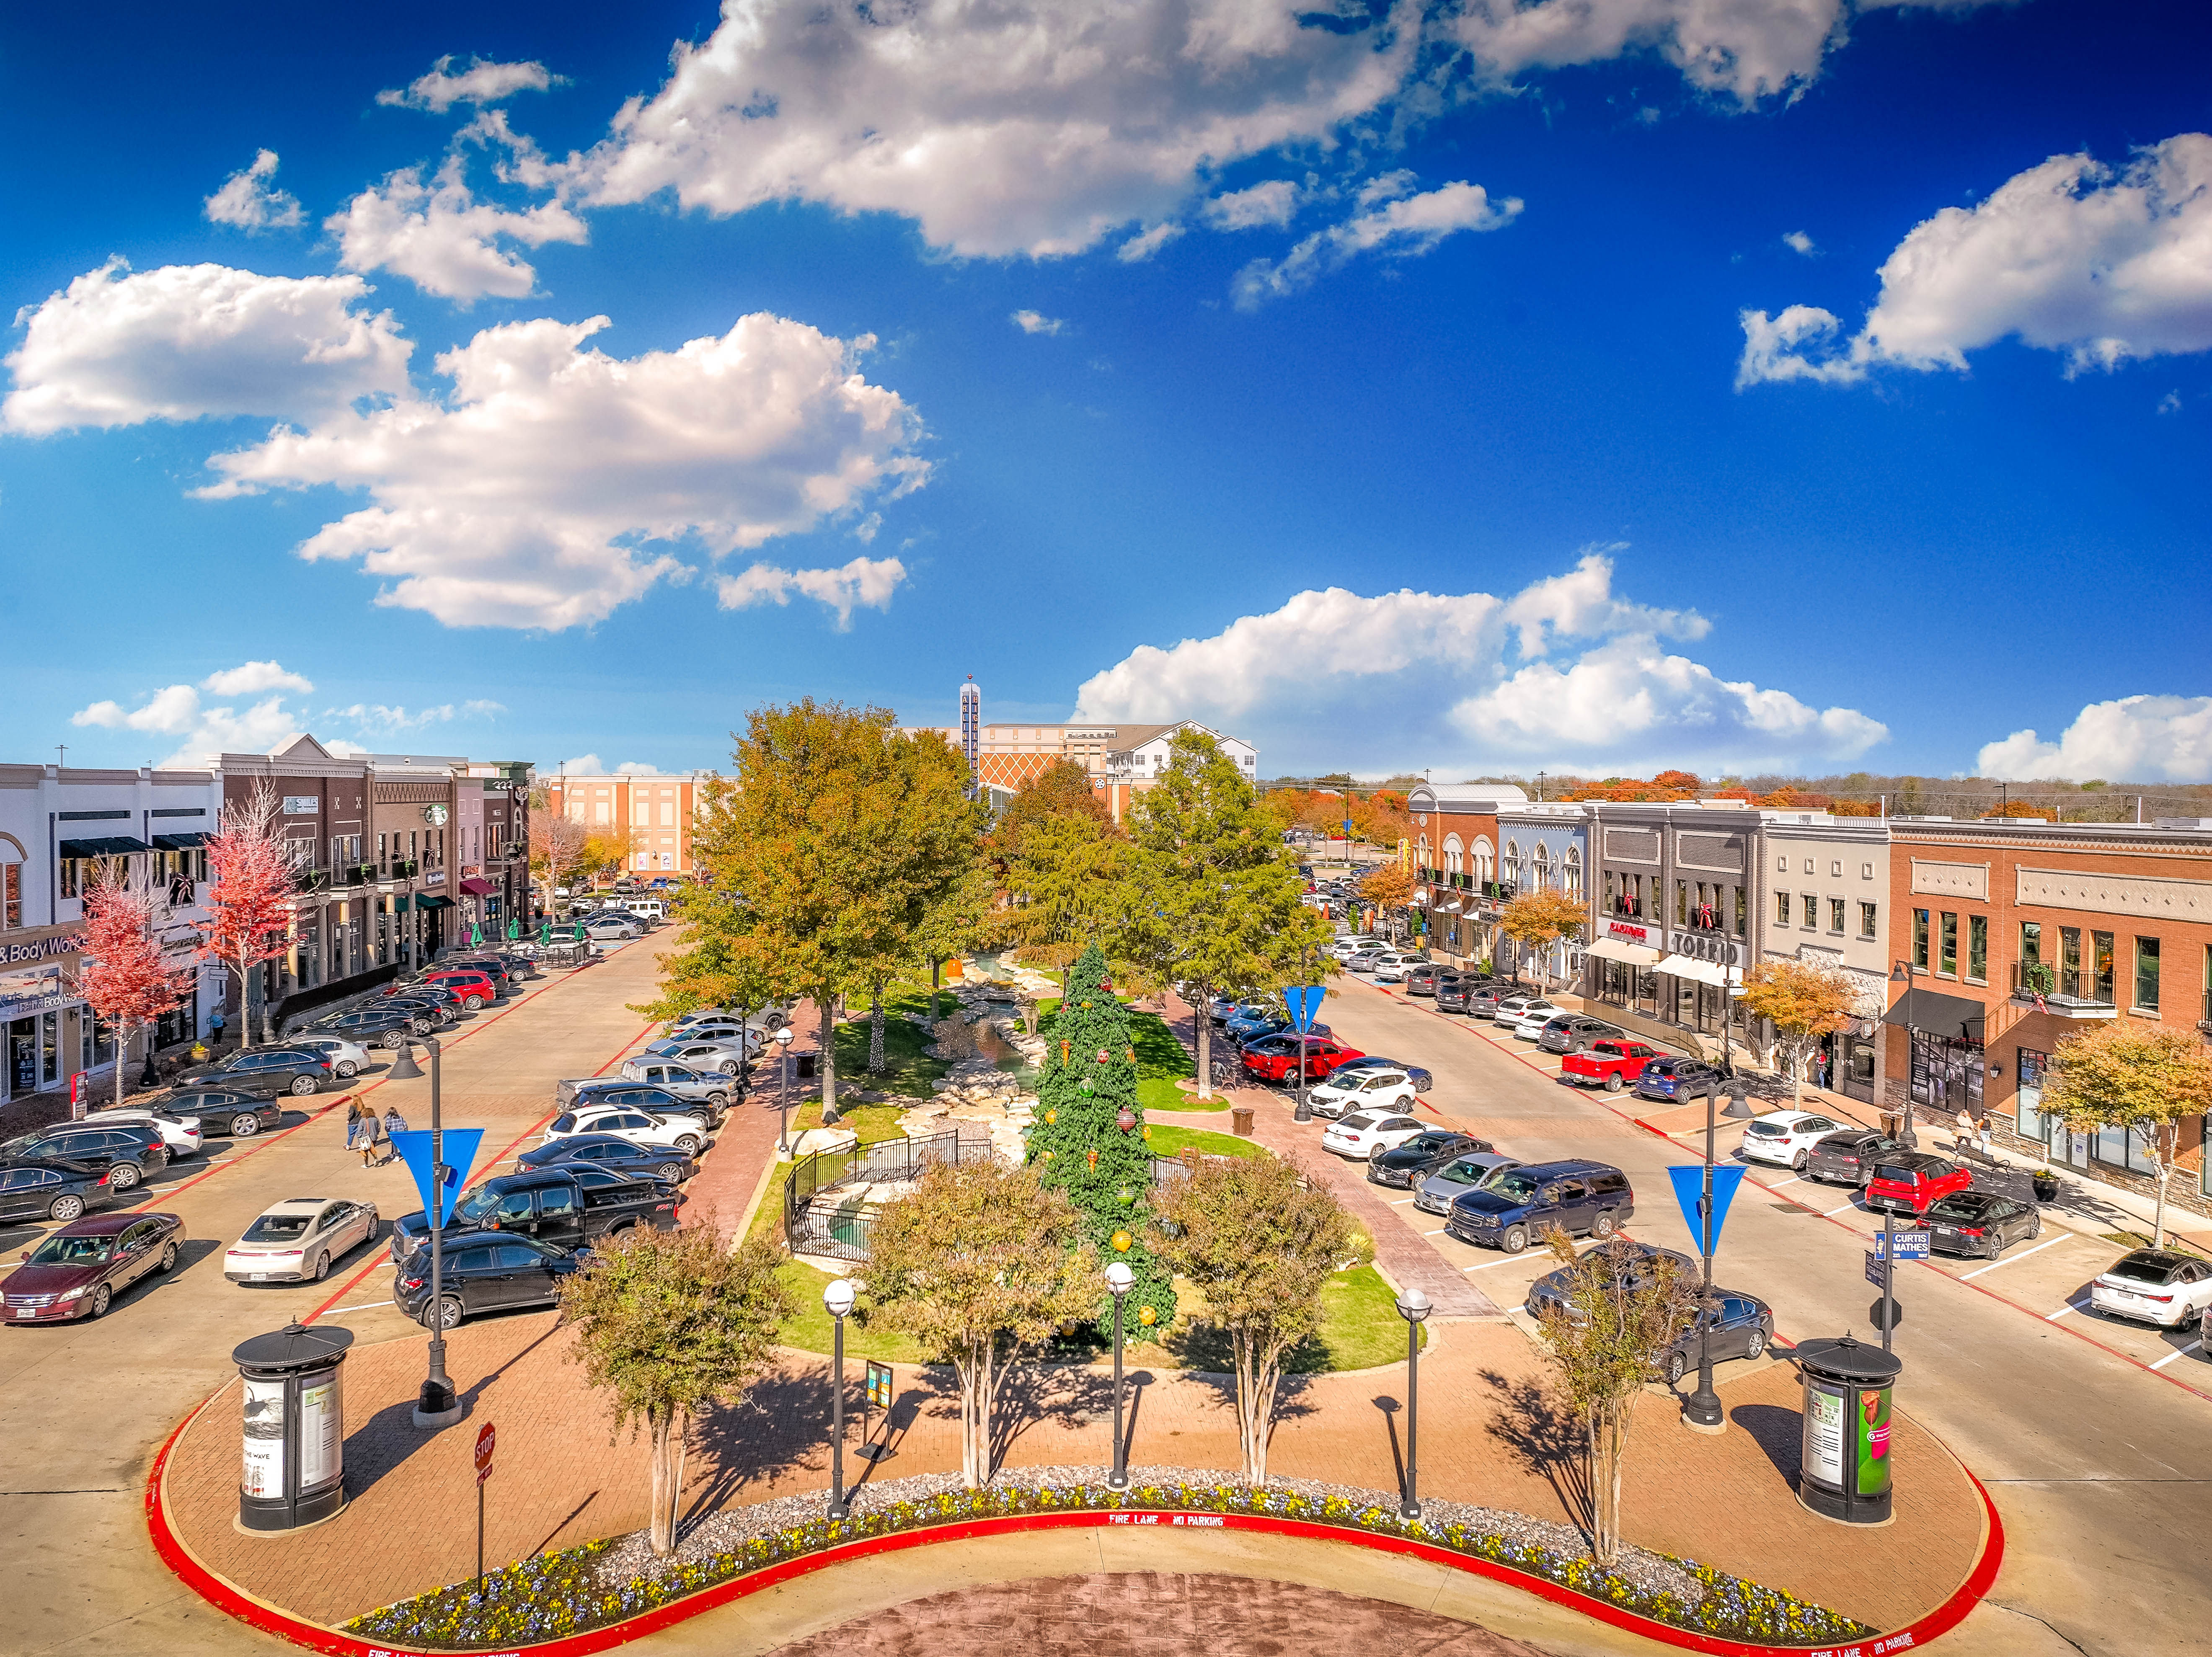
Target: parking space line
[2038, 1249]
[1438, 1232]
[1839, 1210]
[2062, 1311]
[1486, 1265]
[338, 1312]
[2193, 1346]
[1795, 1178]
[1400, 1202]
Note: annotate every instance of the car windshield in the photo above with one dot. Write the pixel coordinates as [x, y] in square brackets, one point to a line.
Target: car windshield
[474, 1206]
[1518, 1186]
[2137, 1268]
[1769, 1130]
[74, 1251]
[278, 1227]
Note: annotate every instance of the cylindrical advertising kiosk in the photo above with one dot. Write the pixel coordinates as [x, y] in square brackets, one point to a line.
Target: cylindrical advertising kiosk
[295, 1460]
[1846, 1470]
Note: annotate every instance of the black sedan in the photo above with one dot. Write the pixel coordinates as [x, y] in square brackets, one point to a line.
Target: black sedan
[52, 1191]
[265, 1073]
[1980, 1222]
[1848, 1157]
[226, 1110]
[612, 1152]
[1404, 1164]
[1738, 1325]
[1422, 1080]
[371, 1028]
[125, 1154]
[1639, 1260]
[481, 1272]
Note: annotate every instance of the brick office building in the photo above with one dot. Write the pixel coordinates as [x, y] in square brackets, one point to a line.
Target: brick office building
[1456, 856]
[659, 812]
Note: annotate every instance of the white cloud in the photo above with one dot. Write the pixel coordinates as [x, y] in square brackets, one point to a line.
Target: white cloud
[2133, 738]
[1035, 322]
[866, 583]
[478, 708]
[1798, 242]
[2104, 263]
[584, 765]
[247, 201]
[1404, 228]
[192, 340]
[1464, 679]
[443, 239]
[481, 83]
[1140, 247]
[1272, 204]
[382, 719]
[636, 768]
[2170, 403]
[1035, 126]
[247, 678]
[524, 498]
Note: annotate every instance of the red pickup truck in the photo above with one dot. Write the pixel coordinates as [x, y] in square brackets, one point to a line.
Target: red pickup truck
[1616, 1064]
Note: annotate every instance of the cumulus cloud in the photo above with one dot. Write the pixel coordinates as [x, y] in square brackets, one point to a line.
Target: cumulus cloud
[384, 719]
[1564, 672]
[443, 238]
[187, 341]
[1798, 242]
[248, 677]
[481, 83]
[1035, 322]
[2137, 737]
[2100, 263]
[527, 498]
[1140, 247]
[865, 582]
[1403, 229]
[248, 201]
[479, 708]
[1272, 204]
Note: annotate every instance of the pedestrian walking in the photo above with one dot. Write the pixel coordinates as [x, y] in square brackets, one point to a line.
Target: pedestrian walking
[215, 1027]
[1965, 1135]
[1982, 1133]
[394, 1123]
[352, 1125]
[365, 1137]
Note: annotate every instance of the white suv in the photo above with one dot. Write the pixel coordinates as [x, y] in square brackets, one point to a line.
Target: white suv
[1784, 1138]
[1353, 944]
[639, 1127]
[1369, 1090]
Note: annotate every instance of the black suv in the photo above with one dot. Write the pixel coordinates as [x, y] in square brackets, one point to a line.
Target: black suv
[124, 1154]
[226, 1110]
[372, 1028]
[1571, 1032]
[613, 1152]
[265, 1073]
[643, 1095]
[1518, 1208]
[1848, 1157]
[550, 1205]
[481, 1272]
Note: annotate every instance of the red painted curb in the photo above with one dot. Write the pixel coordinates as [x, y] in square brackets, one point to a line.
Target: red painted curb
[269, 1620]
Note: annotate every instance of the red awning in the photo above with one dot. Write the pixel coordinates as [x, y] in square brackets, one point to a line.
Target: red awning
[479, 887]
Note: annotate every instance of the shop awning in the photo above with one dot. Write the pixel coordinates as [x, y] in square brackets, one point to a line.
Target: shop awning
[1452, 907]
[115, 846]
[1938, 1014]
[1704, 971]
[1614, 948]
[476, 888]
[187, 842]
[432, 900]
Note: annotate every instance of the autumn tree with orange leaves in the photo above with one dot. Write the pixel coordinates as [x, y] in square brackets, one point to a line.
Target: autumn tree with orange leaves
[123, 979]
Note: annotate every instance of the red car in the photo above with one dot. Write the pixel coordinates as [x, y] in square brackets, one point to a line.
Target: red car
[78, 1270]
[1906, 1181]
[472, 989]
[1275, 1057]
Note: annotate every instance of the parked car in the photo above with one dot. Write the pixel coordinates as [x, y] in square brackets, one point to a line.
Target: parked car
[298, 1239]
[1407, 1163]
[481, 1272]
[475, 990]
[369, 1026]
[225, 1110]
[1482, 1000]
[1676, 1079]
[1741, 1326]
[551, 1204]
[1223, 1008]
[728, 1057]
[1452, 992]
[1635, 1266]
[347, 1058]
[1576, 1196]
[606, 1091]
[1368, 1133]
[1571, 1032]
[1380, 1090]
[680, 1133]
[1435, 1193]
[1422, 979]
[426, 1001]
[608, 930]
[1246, 1033]
[690, 1083]
[60, 1192]
[1391, 968]
[1276, 1057]
[1353, 944]
[1422, 1079]
[1980, 1222]
[613, 1153]
[1848, 1155]
[266, 1073]
[2155, 1285]
[181, 1135]
[78, 1270]
[1612, 1063]
[1785, 1137]
[127, 1154]
[1907, 1182]
[1528, 1024]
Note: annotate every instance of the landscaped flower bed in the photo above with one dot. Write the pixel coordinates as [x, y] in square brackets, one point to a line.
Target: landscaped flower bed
[545, 1597]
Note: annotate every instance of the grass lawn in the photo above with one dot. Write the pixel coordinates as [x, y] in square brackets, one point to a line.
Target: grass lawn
[1169, 1140]
[1360, 1329]
[906, 1072]
[809, 1327]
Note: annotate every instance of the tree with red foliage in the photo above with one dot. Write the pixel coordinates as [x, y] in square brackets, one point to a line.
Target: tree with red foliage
[248, 909]
[122, 979]
[1686, 781]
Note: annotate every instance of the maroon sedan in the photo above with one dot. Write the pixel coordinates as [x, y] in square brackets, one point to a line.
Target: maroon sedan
[78, 1270]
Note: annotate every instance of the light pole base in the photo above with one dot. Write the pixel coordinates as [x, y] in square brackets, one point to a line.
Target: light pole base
[1409, 1510]
[1303, 1113]
[437, 1407]
[1702, 1413]
[1117, 1481]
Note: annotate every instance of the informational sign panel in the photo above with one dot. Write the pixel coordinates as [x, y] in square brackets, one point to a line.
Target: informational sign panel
[1689, 1182]
[322, 1434]
[1910, 1245]
[263, 1474]
[1871, 1440]
[879, 1384]
[1824, 1434]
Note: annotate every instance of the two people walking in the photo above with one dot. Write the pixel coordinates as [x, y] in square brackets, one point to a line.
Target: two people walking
[365, 1131]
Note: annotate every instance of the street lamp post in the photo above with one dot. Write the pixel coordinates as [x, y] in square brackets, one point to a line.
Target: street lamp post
[782, 1039]
[1903, 974]
[1120, 1280]
[436, 1406]
[837, 1298]
[1703, 1412]
[1413, 1307]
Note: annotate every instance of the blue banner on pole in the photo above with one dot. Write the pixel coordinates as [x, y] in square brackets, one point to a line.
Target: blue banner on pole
[1304, 1003]
[1690, 1192]
[413, 1145]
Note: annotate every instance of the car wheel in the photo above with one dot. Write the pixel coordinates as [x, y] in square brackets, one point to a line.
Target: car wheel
[718, 1099]
[168, 1260]
[302, 1086]
[688, 1143]
[1677, 1366]
[348, 1069]
[671, 1172]
[322, 1266]
[1515, 1239]
[729, 1067]
[1756, 1344]
[124, 1175]
[103, 1298]
[1603, 1227]
[446, 1315]
[244, 1125]
[2036, 1230]
[1614, 1084]
[62, 1210]
[1798, 1164]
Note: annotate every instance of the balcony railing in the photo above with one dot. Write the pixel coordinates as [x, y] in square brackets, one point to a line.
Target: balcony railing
[310, 880]
[2069, 994]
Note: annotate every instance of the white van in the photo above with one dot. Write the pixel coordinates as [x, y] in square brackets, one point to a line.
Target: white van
[645, 908]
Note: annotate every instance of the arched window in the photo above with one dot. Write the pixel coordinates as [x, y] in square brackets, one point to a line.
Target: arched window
[1485, 866]
[11, 883]
[1455, 855]
[1543, 861]
[1421, 858]
[1512, 866]
[1570, 871]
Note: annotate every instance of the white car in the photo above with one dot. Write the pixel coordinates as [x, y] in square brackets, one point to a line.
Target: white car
[180, 1134]
[639, 1127]
[603, 931]
[297, 1240]
[2155, 1285]
[1526, 1015]
[1368, 1134]
[1345, 948]
[1391, 968]
[1784, 1136]
[1369, 1091]
[346, 1057]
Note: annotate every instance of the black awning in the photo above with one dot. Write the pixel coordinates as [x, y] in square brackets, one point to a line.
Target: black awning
[1952, 1016]
[185, 842]
[115, 847]
[432, 900]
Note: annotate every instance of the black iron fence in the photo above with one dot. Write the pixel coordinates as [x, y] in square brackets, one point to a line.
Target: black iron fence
[817, 1221]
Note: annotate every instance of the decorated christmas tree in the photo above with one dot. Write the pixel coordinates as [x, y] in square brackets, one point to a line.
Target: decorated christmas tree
[1089, 1138]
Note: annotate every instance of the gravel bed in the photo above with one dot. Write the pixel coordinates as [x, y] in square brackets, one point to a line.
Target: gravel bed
[632, 1556]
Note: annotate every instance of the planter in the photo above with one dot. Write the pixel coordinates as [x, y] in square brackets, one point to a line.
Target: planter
[2047, 1187]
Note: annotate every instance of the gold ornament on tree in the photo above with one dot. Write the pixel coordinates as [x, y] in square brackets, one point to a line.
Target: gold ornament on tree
[1122, 1242]
[1148, 1315]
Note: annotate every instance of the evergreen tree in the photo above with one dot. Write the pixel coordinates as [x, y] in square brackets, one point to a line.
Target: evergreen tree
[1078, 1145]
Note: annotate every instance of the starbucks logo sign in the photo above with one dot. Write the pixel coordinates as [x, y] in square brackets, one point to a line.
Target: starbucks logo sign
[435, 815]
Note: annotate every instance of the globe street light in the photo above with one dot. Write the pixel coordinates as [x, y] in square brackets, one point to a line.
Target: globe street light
[1413, 1307]
[837, 1299]
[1120, 1279]
[436, 1406]
[782, 1039]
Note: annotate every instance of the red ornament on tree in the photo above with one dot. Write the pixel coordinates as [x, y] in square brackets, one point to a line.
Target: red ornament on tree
[1126, 1120]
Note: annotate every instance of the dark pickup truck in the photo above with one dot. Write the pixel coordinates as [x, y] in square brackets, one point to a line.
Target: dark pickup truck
[553, 1205]
[1613, 1063]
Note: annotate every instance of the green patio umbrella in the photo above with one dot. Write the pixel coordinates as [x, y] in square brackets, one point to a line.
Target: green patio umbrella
[513, 929]
[545, 932]
[475, 935]
[579, 932]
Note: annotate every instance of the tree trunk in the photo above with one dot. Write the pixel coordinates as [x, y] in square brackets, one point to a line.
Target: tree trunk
[974, 1379]
[936, 964]
[2157, 1224]
[1604, 1487]
[1205, 1042]
[876, 1032]
[661, 1524]
[1797, 1052]
[122, 1062]
[828, 1006]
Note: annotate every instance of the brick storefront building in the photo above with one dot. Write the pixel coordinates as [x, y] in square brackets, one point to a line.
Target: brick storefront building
[659, 812]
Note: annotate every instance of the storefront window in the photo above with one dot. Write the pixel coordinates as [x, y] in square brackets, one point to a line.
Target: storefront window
[1681, 903]
[1978, 948]
[1920, 939]
[2031, 942]
[1947, 959]
[1947, 1073]
[2147, 974]
[1741, 909]
[2032, 1124]
[1782, 909]
[2100, 962]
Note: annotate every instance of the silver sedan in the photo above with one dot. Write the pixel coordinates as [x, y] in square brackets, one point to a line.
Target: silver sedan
[297, 1240]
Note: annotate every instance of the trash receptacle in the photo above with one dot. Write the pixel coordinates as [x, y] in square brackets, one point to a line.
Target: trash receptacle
[809, 1067]
[293, 1470]
[1240, 1120]
[1846, 1470]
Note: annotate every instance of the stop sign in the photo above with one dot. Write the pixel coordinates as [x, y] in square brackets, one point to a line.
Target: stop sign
[485, 1439]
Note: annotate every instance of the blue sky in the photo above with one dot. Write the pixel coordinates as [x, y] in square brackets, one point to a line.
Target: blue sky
[1488, 387]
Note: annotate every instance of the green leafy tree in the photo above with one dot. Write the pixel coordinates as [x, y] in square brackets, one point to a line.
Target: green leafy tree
[1077, 1143]
[2141, 1077]
[1218, 901]
[979, 1262]
[669, 1321]
[1260, 1241]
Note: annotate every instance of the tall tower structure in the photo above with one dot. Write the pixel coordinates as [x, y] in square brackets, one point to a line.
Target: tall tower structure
[971, 733]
